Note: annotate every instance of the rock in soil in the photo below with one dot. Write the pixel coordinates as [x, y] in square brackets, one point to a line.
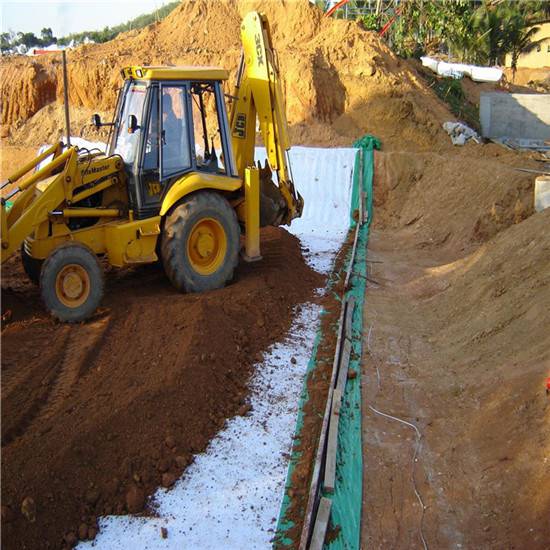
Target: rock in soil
[168, 479]
[28, 509]
[135, 499]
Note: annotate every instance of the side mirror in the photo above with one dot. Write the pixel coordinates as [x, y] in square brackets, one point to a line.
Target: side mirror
[132, 124]
[96, 120]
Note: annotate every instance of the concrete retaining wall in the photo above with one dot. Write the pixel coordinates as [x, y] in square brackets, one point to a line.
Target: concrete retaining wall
[515, 115]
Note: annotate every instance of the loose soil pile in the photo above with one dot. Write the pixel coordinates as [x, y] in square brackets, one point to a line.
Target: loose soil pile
[340, 81]
[453, 200]
[458, 344]
[96, 416]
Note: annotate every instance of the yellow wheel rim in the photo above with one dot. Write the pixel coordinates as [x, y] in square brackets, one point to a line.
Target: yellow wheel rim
[72, 285]
[206, 246]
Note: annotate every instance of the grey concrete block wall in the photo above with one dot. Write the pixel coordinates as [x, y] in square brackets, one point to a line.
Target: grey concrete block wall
[515, 115]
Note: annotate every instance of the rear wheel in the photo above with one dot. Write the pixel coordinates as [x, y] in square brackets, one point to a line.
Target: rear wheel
[31, 266]
[200, 243]
[71, 282]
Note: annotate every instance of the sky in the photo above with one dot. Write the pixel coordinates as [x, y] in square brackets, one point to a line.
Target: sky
[68, 16]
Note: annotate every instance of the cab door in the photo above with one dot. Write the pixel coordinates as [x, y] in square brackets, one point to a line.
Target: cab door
[165, 145]
[175, 131]
[147, 175]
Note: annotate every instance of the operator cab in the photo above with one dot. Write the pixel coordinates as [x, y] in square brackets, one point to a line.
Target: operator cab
[170, 121]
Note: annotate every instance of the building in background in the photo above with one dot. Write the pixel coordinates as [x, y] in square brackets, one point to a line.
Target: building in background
[539, 56]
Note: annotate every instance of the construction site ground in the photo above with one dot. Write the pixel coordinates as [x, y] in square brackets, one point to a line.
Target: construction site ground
[456, 341]
[145, 384]
[97, 416]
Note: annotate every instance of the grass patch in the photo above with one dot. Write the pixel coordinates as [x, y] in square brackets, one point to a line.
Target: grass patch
[451, 92]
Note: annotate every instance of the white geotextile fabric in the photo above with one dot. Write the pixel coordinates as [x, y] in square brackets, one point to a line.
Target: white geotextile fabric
[229, 498]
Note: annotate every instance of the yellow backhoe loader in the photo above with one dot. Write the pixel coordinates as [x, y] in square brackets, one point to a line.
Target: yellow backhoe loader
[175, 184]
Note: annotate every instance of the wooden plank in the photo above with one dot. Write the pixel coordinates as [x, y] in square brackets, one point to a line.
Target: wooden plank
[321, 524]
[362, 207]
[344, 367]
[332, 443]
[349, 317]
[352, 259]
[320, 455]
[341, 359]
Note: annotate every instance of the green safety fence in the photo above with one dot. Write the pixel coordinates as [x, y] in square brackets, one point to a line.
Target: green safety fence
[347, 495]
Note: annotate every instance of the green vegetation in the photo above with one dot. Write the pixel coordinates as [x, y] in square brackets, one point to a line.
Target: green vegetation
[470, 31]
[9, 41]
[451, 92]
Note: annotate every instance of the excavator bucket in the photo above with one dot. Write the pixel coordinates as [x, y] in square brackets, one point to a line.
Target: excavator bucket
[272, 203]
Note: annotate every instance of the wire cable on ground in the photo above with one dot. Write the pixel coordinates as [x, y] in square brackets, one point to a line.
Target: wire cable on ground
[413, 477]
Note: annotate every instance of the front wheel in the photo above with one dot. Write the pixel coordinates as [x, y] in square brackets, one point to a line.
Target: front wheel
[71, 282]
[201, 242]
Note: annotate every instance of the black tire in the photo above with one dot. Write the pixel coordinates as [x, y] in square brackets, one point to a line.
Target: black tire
[31, 266]
[80, 259]
[178, 227]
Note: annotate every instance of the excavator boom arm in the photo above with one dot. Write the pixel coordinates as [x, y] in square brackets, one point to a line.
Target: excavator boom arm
[258, 96]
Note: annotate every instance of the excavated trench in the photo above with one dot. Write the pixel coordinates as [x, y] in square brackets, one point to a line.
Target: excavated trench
[456, 342]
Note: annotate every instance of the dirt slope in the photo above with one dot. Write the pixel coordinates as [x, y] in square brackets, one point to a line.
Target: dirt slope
[457, 342]
[96, 416]
[340, 81]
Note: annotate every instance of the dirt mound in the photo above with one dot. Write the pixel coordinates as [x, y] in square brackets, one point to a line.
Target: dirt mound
[48, 126]
[97, 415]
[27, 85]
[477, 193]
[340, 81]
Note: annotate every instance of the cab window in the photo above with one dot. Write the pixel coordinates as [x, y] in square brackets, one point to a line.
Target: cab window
[127, 141]
[151, 156]
[209, 151]
[175, 148]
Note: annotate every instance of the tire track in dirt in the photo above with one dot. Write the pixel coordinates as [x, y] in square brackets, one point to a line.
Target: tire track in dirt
[73, 359]
[46, 369]
[80, 352]
[14, 377]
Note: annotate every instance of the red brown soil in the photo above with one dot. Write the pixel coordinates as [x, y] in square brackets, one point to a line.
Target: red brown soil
[340, 81]
[457, 342]
[317, 384]
[96, 416]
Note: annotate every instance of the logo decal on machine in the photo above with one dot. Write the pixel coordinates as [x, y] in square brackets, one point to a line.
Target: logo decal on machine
[240, 126]
[153, 189]
[259, 49]
[95, 169]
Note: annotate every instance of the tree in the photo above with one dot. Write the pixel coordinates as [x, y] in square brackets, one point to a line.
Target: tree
[519, 35]
[506, 28]
[424, 25]
[5, 42]
[27, 39]
[47, 37]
